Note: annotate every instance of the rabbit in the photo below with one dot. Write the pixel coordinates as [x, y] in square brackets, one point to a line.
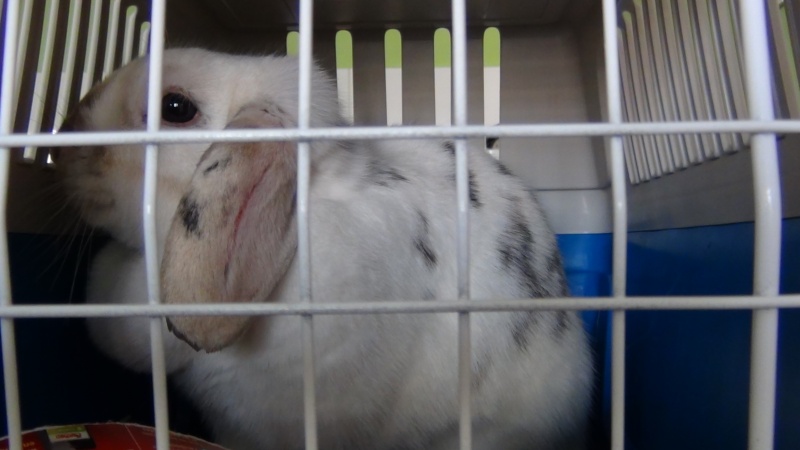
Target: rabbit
[382, 227]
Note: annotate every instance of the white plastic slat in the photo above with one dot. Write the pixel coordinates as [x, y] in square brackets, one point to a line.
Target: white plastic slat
[628, 144]
[663, 158]
[715, 71]
[491, 83]
[785, 56]
[699, 85]
[393, 54]
[636, 143]
[144, 38]
[442, 77]
[130, 30]
[111, 38]
[68, 67]
[24, 28]
[729, 32]
[620, 207]
[665, 82]
[680, 77]
[42, 78]
[767, 195]
[7, 334]
[639, 96]
[303, 233]
[150, 194]
[91, 47]
[344, 73]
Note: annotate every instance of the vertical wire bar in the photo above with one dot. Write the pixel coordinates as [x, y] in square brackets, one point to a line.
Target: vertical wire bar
[767, 190]
[158, 15]
[68, 69]
[91, 47]
[144, 38]
[130, 28]
[459, 18]
[304, 237]
[617, 165]
[23, 30]
[42, 79]
[111, 38]
[7, 335]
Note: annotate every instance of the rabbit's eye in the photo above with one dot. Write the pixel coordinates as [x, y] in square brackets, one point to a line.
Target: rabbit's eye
[176, 108]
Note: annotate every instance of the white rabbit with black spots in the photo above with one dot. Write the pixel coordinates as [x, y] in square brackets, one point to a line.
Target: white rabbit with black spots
[382, 224]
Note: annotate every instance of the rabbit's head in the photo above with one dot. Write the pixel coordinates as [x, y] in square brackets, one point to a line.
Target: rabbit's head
[202, 90]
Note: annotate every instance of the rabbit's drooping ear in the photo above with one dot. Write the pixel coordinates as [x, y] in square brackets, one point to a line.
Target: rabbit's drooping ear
[233, 236]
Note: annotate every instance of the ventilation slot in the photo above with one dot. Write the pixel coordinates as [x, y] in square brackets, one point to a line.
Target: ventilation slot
[683, 61]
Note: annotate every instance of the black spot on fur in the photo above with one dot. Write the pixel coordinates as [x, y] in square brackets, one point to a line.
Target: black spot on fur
[383, 175]
[515, 246]
[473, 191]
[562, 323]
[480, 372]
[522, 327]
[219, 164]
[450, 147]
[189, 212]
[554, 262]
[422, 242]
[502, 168]
[491, 142]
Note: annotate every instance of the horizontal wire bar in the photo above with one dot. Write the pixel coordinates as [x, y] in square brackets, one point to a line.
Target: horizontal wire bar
[404, 132]
[394, 307]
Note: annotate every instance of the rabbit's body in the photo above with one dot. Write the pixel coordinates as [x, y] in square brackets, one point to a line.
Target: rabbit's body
[383, 227]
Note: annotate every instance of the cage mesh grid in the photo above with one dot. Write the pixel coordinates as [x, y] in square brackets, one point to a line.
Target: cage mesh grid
[765, 301]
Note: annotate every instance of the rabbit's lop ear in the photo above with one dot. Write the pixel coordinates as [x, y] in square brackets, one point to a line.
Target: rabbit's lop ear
[233, 236]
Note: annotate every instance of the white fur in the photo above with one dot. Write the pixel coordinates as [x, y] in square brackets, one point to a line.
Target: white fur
[384, 381]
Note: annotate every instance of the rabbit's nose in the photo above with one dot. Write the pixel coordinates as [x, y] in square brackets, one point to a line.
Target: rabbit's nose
[54, 153]
[65, 155]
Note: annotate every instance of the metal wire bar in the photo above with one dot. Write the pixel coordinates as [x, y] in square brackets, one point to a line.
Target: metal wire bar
[695, 303]
[10, 375]
[303, 233]
[404, 132]
[767, 193]
[620, 237]
[158, 17]
[459, 39]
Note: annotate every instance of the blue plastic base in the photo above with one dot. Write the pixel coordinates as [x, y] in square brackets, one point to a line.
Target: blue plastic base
[687, 372]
